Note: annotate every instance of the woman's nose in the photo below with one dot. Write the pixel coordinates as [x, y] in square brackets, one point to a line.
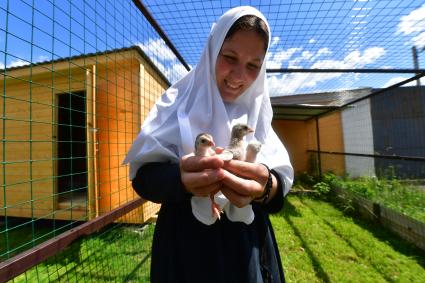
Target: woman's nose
[238, 73]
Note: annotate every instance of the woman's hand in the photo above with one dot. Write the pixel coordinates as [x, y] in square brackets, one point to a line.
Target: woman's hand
[201, 175]
[244, 181]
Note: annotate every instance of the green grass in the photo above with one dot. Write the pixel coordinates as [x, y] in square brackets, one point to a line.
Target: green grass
[400, 196]
[404, 198]
[21, 237]
[318, 243]
[119, 253]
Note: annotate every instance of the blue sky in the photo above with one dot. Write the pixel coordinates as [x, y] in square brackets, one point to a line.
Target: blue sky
[305, 34]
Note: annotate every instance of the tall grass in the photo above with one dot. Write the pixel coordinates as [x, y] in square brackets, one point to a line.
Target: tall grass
[405, 198]
[318, 243]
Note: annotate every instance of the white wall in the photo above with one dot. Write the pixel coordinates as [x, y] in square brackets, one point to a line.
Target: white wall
[358, 138]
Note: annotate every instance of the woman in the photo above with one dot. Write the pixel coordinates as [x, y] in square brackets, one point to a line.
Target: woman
[228, 86]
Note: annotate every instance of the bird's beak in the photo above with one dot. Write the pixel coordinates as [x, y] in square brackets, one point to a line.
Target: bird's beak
[250, 130]
[212, 143]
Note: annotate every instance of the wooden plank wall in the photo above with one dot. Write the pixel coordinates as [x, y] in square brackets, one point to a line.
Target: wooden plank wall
[30, 135]
[120, 112]
[300, 136]
[126, 87]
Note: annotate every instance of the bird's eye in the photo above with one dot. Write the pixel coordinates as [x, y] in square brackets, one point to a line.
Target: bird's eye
[203, 141]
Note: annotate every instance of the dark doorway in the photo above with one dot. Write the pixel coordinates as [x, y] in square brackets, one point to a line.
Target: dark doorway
[72, 148]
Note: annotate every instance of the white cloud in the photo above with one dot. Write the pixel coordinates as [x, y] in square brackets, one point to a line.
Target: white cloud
[312, 40]
[275, 40]
[355, 59]
[294, 82]
[323, 51]
[157, 47]
[305, 56]
[17, 63]
[175, 68]
[20, 62]
[370, 55]
[42, 58]
[400, 79]
[419, 40]
[275, 60]
[162, 56]
[414, 22]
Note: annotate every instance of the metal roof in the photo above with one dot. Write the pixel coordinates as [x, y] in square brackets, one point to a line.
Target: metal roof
[307, 106]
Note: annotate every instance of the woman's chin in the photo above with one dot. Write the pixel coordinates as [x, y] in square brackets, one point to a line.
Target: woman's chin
[229, 97]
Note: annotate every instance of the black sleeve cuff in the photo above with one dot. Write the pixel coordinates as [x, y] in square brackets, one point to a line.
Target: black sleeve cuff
[276, 203]
[160, 183]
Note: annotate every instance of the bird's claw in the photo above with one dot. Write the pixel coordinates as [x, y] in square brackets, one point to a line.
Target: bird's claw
[216, 211]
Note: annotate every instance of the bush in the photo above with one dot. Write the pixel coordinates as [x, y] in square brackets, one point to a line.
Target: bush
[322, 188]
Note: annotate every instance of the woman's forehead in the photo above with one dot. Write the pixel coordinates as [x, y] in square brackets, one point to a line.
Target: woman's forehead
[245, 43]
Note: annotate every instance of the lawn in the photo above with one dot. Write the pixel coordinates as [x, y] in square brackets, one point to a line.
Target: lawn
[318, 243]
[118, 253]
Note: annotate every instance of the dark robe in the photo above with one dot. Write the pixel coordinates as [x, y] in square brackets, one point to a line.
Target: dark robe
[186, 250]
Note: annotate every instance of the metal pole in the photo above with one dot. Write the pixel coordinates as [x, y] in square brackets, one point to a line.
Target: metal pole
[416, 64]
[319, 160]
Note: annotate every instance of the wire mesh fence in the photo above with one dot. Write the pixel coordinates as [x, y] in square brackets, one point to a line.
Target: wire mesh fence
[79, 77]
[119, 252]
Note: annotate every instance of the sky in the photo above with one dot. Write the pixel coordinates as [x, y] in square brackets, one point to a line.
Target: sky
[346, 34]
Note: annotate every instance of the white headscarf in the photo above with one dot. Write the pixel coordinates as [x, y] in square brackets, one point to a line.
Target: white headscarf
[193, 105]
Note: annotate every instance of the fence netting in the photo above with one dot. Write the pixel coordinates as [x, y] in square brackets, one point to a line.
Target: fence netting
[78, 79]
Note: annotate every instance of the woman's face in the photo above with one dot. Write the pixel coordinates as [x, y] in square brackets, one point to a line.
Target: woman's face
[238, 63]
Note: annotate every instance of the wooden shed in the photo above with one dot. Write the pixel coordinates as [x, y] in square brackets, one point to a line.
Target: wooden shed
[307, 123]
[67, 125]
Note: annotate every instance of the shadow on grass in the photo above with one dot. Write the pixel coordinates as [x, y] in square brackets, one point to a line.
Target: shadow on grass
[385, 235]
[132, 274]
[380, 233]
[349, 243]
[291, 211]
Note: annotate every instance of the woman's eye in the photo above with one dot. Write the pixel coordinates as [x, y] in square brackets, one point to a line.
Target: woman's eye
[229, 58]
[253, 67]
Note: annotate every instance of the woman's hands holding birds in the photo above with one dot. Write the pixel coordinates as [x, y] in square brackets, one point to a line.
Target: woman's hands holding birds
[244, 181]
[201, 175]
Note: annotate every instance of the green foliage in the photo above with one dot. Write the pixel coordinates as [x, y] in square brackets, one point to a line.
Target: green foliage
[322, 188]
[305, 179]
[389, 191]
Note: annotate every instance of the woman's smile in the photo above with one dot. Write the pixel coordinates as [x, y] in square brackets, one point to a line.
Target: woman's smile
[238, 64]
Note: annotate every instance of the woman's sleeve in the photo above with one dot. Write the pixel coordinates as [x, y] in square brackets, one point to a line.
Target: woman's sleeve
[276, 203]
[160, 182]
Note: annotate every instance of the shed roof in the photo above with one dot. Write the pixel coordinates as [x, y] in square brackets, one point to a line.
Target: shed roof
[307, 106]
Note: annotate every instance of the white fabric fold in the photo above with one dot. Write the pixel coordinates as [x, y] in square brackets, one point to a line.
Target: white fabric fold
[193, 105]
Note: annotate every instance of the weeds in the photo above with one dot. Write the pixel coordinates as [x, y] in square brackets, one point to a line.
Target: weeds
[390, 192]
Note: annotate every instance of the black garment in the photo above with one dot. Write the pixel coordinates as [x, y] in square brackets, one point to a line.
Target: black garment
[186, 250]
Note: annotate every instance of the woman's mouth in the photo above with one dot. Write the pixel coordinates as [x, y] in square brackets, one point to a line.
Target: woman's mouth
[232, 86]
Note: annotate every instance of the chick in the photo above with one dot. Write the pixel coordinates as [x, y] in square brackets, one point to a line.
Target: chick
[252, 150]
[203, 147]
[236, 145]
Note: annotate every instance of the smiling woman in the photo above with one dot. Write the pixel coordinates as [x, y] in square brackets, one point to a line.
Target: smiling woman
[238, 64]
[241, 57]
[227, 87]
